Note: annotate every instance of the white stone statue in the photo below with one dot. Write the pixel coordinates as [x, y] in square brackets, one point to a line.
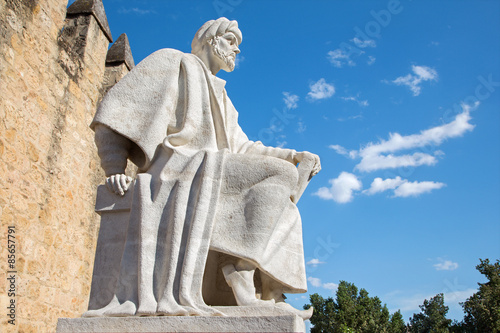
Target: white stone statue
[213, 219]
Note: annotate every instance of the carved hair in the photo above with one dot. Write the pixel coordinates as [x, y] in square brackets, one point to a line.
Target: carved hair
[214, 28]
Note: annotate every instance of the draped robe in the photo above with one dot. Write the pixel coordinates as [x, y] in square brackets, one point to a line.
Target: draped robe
[184, 128]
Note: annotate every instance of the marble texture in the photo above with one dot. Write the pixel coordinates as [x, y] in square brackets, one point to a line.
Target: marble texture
[211, 217]
[237, 319]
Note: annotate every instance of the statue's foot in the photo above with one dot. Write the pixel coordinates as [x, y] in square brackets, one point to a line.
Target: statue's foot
[146, 309]
[241, 282]
[304, 314]
[123, 310]
[171, 308]
[100, 312]
[204, 311]
[260, 302]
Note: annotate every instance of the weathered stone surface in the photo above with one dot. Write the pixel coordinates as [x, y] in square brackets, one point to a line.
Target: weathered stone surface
[242, 319]
[209, 192]
[94, 7]
[120, 52]
[48, 161]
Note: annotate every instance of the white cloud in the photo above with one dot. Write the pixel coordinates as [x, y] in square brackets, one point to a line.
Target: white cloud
[377, 156]
[358, 116]
[445, 265]
[356, 99]
[330, 286]
[339, 150]
[290, 100]
[378, 162]
[371, 60]
[342, 188]
[315, 262]
[412, 303]
[420, 74]
[416, 188]
[320, 90]
[135, 10]
[315, 282]
[364, 43]
[379, 185]
[401, 187]
[339, 58]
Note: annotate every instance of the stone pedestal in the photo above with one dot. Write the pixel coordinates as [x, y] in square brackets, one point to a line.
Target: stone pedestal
[237, 319]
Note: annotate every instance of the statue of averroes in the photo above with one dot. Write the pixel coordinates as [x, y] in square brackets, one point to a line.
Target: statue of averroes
[203, 189]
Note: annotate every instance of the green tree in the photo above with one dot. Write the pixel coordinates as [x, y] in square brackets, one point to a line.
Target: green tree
[353, 311]
[397, 324]
[432, 318]
[482, 310]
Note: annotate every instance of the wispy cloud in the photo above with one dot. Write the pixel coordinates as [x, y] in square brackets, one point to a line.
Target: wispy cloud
[413, 189]
[341, 189]
[411, 303]
[135, 10]
[315, 282]
[357, 116]
[339, 150]
[320, 90]
[378, 185]
[315, 262]
[364, 43]
[380, 155]
[402, 187]
[355, 99]
[413, 81]
[445, 265]
[330, 286]
[339, 58]
[290, 100]
[371, 60]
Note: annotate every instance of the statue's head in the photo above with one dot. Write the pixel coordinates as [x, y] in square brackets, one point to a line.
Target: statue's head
[217, 42]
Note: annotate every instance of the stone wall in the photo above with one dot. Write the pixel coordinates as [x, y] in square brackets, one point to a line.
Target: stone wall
[52, 70]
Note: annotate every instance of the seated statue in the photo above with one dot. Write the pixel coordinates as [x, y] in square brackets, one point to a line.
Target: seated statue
[206, 202]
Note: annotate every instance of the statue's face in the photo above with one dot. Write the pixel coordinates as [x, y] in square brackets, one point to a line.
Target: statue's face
[225, 49]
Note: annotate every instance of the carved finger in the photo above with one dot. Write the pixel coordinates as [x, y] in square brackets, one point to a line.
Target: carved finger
[123, 184]
[109, 185]
[116, 184]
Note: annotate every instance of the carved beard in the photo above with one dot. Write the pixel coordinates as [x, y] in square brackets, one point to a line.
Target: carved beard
[229, 61]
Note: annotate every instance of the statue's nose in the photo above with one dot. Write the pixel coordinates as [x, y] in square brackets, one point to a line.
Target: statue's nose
[236, 50]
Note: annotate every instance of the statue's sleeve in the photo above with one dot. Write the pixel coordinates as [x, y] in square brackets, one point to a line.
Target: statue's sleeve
[113, 150]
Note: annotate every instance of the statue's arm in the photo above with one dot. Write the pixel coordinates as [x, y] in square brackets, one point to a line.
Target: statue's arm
[289, 155]
[113, 150]
[241, 144]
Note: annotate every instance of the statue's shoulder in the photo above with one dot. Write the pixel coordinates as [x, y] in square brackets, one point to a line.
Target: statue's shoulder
[167, 56]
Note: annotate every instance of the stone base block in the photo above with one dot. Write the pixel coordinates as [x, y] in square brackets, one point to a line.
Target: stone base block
[238, 319]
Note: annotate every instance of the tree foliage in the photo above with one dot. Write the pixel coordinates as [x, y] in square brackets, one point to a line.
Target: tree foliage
[482, 310]
[353, 311]
[432, 318]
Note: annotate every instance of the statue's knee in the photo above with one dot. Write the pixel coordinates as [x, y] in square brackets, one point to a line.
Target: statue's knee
[286, 172]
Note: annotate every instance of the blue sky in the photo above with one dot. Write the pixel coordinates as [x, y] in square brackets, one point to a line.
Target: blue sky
[400, 99]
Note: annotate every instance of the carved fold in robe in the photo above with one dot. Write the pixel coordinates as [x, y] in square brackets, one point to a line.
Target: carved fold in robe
[186, 138]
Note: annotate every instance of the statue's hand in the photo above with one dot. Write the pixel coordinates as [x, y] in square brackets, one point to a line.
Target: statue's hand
[307, 156]
[118, 183]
